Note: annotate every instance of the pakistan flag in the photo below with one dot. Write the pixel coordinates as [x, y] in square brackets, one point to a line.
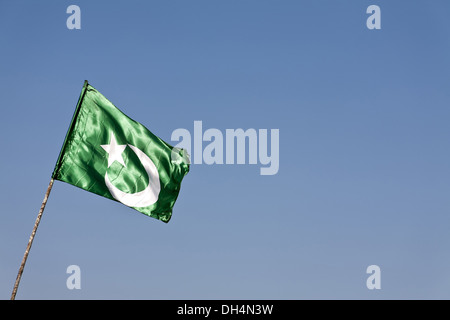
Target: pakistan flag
[107, 153]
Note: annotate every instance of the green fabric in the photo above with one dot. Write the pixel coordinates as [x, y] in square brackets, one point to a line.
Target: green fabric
[107, 153]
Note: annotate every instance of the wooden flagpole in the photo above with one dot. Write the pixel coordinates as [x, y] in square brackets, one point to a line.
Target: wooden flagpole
[47, 193]
[30, 242]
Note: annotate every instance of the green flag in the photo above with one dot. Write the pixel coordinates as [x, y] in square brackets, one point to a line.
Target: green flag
[107, 153]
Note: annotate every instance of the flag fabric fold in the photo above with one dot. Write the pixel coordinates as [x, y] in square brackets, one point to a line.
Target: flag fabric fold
[107, 153]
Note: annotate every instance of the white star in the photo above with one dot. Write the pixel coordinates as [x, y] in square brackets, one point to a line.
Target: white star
[114, 150]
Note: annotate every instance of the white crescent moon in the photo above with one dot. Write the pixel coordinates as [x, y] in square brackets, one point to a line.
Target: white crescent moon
[143, 198]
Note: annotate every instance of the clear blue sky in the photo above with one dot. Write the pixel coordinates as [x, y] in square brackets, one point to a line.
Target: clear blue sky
[364, 172]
